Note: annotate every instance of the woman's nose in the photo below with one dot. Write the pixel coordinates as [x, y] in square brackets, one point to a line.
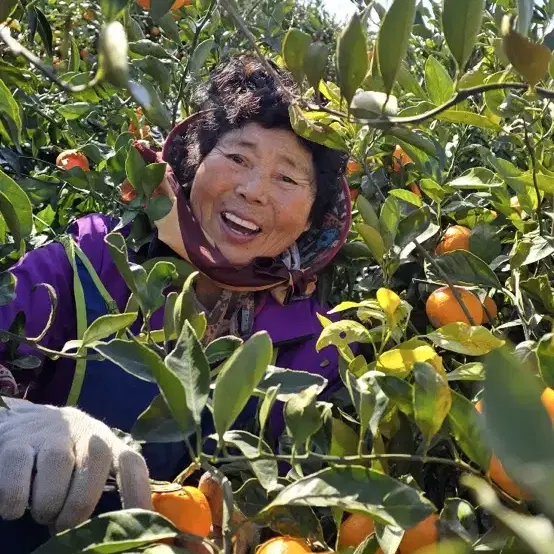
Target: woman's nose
[253, 189]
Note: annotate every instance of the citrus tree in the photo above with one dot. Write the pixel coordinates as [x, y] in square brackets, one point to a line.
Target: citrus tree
[441, 437]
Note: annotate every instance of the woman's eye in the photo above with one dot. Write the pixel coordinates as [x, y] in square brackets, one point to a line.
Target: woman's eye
[236, 158]
[288, 180]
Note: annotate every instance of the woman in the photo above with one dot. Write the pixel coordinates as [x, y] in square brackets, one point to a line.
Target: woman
[258, 211]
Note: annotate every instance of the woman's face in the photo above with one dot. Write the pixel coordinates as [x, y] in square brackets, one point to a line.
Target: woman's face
[253, 193]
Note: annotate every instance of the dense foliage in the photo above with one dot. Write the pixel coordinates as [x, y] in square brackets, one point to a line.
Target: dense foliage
[446, 279]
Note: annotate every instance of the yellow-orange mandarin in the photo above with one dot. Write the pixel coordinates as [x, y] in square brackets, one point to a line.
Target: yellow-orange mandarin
[456, 237]
[443, 308]
[284, 545]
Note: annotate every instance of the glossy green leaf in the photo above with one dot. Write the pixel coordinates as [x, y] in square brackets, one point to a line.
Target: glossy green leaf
[20, 204]
[367, 212]
[464, 267]
[461, 22]
[399, 391]
[468, 118]
[464, 339]
[342, 333]
[240, 375]
[373, 240]
[159, 8]
[464, 425]
[392, 43]
[306, 126]
[412, 226]
[111, 532]
[473, 371]
[157, 425]
[431, 398]
[189, 363]
[389, 220]
[132, 356]
[294, 49]
[75, 110]
[302, 416]
[438, 83]
[107, 325]
[6, 9]
[251, 447]
[352, 62]
[200, 55]
[315, 62]
[135, 168]
[291, 382]
[221, 348]
[358, 489]
[484, 242]
[477, 178]
[146, 47]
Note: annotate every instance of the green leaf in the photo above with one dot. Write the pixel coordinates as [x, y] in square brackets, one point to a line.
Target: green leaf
[344, 440]
[464, 424]
[157, 425]
[159, 8]
[159, 207]
[478, 178]
[160, 276]
[399, 391]
[44, 30]
[112, 532]
[112, 9]
[221, 348]
[266, 406]
[74, 111]
[357, 489]
[545, 355]
[484, 242]
[392, 43]
[291, 382]
[107, 325]
[6, 9]
[315, 62]
[468, 118]
[200, 55]
[189, 363]
[146, 95]
[238, 378]
[412, 226]
[8, 281]
[518, 426]
[146, 47]
[373, 239]
[367, 212]
[252, 447]
[135, 168]
[531, 250]
[9, 107]
[473, 371]
[20, 204]
[540, 288]
[185, 309]
[464, 267]
[465, 339]
[389, 220]
[352, 62]
[342, 333]
[304, 125]
[152, 177]
[302, 417]
[438, 83]
[407, 196]
[132, 356]
[461, 22]
[432, 400]
[294, 49]
[159, 71]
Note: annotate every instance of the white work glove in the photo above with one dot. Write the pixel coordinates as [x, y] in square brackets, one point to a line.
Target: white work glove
[56, 461]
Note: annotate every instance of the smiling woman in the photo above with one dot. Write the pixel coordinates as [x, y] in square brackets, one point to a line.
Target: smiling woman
[258, 211]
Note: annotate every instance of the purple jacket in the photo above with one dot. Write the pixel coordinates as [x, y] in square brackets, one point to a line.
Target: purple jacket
[294, 328]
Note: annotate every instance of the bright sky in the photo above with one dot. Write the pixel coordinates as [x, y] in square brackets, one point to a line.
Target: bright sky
[342, 9]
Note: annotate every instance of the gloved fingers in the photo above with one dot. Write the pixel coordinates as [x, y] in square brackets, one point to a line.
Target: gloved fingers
[54, 468]
[16, 463]
[93, 460]
[132, 479]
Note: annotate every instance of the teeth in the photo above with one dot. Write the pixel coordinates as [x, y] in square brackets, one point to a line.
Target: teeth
[242, 222]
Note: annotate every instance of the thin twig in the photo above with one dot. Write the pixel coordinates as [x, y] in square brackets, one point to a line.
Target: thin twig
[438, 269]
[193, 46]
[18, 49]
[531, 151]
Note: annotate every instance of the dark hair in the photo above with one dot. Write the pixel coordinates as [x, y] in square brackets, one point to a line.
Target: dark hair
[242, 91]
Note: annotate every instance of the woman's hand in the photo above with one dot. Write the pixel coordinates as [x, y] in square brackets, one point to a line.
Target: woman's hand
[56, 461]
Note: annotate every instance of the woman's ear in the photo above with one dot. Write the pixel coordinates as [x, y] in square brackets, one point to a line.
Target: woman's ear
[308, 225]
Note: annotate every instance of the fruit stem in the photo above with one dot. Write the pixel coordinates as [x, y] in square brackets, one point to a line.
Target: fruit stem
[444, 276]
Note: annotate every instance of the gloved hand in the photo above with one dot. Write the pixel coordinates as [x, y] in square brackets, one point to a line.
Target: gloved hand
[56, 461]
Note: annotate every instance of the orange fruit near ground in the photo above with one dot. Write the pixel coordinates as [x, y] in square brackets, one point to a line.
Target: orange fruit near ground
[175, 6]
[72, 158]
[425, 533]
[456, 237]
[496, 470]
[443, 308]
[354, 529]
[284, 545]
[400, 159]
[353, 167]
[188, 509]
[490, 304]
[414, 187]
